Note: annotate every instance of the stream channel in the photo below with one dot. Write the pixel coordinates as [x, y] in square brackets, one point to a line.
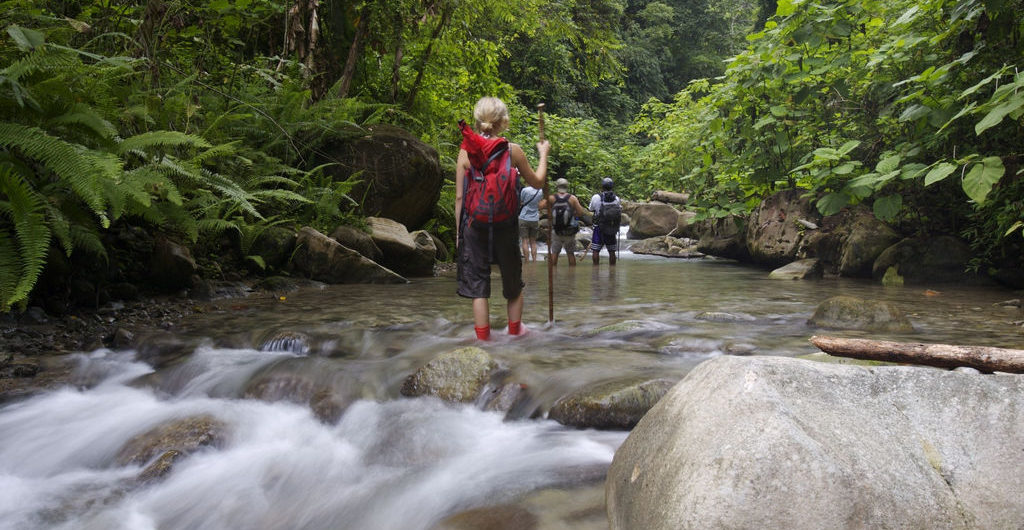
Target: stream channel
[386, 462]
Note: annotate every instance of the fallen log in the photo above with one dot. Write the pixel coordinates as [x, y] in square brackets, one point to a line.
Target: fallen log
[670, 197]
[983, 358]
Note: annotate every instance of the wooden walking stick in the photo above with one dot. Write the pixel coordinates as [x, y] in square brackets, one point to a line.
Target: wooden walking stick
[551, 263]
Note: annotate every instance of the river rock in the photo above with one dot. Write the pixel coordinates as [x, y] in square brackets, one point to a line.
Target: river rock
[171, 265]
[801, 269]
[686, 226]
[457, 376]
[919, 261]
[185, 435]
[667, 246]
[723, 237]
[775, 442]
[617, 404]
[652, 219]
[275, 245]
[850, 312]
[406, 253]
[868, 238]
[358, 241]
[321, 258]
[774, 231]
[399, 177]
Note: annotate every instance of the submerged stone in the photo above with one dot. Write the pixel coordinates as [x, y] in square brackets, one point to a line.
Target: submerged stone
[457, 376]
[850, 312]
[617, 404]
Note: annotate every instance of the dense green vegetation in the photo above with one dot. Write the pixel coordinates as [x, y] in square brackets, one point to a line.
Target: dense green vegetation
[202, 120]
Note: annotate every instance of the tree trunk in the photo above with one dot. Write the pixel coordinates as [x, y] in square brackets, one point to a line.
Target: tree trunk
[670, 197]
[446, 14]
[984, 358]
[354, 53]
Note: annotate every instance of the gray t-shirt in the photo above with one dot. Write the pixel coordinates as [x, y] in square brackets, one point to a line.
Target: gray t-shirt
[530, 198]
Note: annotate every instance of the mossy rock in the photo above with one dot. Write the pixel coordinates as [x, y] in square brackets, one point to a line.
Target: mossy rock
[850, 312]
[617, 404]
[457, 376]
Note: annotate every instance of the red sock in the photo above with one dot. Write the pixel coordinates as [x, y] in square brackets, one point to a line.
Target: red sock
[515, 327]
[483, 333]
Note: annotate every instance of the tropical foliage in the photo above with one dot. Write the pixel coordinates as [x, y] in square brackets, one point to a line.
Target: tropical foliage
[911, 107]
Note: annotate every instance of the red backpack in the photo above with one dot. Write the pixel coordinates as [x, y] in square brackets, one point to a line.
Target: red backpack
[491, 187]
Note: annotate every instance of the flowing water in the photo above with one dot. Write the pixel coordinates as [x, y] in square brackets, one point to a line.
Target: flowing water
[375, 460]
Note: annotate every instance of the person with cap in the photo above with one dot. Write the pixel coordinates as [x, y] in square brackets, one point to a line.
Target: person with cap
[565, 211]
[530, 199]
[607, 217]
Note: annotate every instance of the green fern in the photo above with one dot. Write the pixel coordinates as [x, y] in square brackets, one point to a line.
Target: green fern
[26, 210]
[81, 169]
[160, 140]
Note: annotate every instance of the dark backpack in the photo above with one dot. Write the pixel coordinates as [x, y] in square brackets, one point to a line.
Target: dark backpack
[561, 215]
[491, 192]
[609, 217]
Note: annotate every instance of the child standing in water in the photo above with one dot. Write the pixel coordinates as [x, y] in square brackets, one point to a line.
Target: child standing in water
[482, 241]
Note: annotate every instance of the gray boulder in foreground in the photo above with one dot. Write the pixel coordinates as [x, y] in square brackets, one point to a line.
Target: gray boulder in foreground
[774, 442]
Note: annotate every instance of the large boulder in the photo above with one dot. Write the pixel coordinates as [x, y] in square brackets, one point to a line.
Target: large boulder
[185, 435]
[171, 264]
[941, 259]
[723, 237]
[358, 241]
[774, 231]
[850, 312]
[652, 219]
[848, 242]
[408, 254]
[399, 177]
[775, 442]
[686, 225]
[323, 259]
[275, 246]
[457, 376]
[616, 404]
[801, 269]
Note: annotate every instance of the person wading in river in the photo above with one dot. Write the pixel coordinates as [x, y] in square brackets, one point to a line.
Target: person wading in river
[565, 208]
[529, 221]
[607, 215]
[486, 205]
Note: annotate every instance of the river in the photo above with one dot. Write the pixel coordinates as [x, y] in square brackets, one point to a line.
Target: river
[386, 462]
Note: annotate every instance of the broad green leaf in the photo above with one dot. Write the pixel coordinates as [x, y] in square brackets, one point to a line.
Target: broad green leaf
[939, 172]
[997, 114]
[849, 146]
[982, 83]
[26, 39]
[915, 112]
[844, 169]
[831, 203]
[979, 180]
[886, 208]
[784, 8]
[779, 110]
[909, 15]
[889, 164]
[826, 153]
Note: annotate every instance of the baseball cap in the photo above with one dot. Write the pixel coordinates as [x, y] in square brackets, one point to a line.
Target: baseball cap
[562, 184]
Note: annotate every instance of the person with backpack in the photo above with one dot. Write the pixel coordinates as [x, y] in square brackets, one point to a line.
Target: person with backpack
[565, 209]
[607, 210]
[529, 221]
[486, 207]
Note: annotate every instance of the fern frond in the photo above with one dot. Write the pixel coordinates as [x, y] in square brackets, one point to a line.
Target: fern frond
[280, 195]
[88, 240]
[270, 180]
[10, 271]
[216, 151]
[215, 226]
[158, 139]
[80, 169]
[84, 116]
[178, 218]
[61, 228]
[27, 212]
[42, 59]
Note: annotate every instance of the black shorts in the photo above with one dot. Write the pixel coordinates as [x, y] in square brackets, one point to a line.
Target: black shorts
[481, 245]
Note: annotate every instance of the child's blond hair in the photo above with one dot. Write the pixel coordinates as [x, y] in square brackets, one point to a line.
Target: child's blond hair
[491, 115]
